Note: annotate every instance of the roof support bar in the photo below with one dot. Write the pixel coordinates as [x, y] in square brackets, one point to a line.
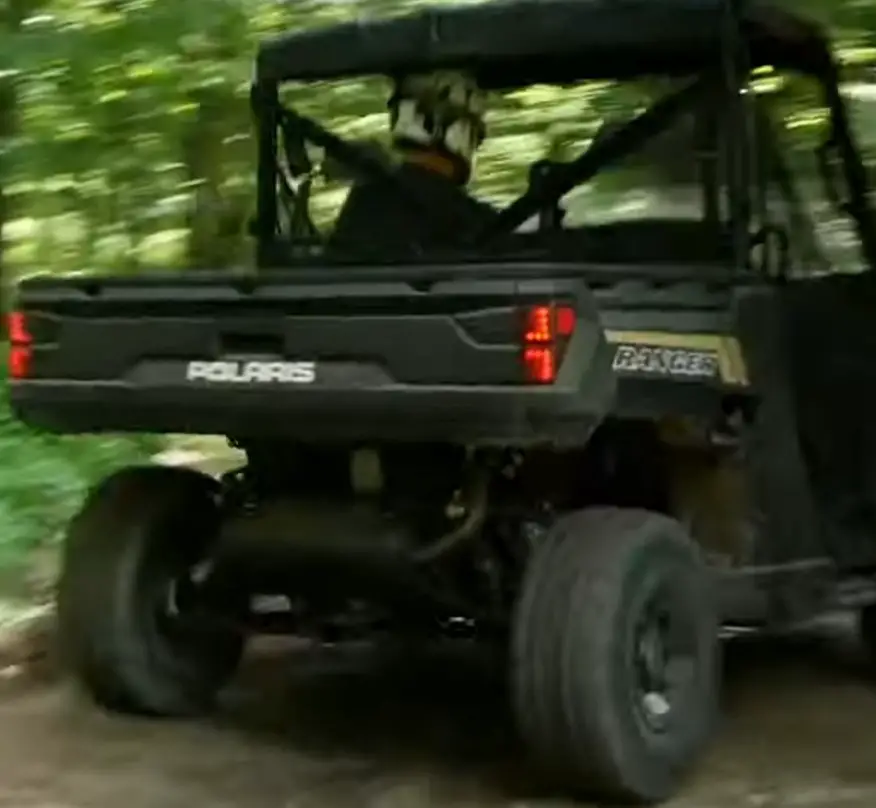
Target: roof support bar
[265, 102]
[736, 69]
[614, 146]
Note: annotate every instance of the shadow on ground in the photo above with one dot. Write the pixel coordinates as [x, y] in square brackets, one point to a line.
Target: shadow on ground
[792, 705]
[358, 728]
[444, 709]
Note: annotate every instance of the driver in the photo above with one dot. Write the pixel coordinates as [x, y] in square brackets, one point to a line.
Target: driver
[437, 126]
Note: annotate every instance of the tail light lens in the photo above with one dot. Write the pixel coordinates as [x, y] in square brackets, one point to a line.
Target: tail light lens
[540, 364]
[20, 346]
[546, 332]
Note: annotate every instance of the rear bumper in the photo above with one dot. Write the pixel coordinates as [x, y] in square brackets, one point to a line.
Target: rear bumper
[471, 415]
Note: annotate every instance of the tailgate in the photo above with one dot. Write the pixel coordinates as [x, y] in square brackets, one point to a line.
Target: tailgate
[346, 359]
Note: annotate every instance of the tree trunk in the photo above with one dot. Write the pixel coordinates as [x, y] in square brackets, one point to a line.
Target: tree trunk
[8, 130]
[13, 13]
[202, 157]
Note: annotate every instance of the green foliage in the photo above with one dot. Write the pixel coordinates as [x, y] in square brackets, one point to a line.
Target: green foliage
[44, 477]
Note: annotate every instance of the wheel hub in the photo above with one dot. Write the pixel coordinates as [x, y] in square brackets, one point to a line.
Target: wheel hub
[179, 592]
[661, 666]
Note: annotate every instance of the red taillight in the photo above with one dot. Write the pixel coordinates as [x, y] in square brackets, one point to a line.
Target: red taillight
[18, 332]
[545, 333]
[20, 346]
[540, 364]
[19, 361]
[565, 321]
[539, 325]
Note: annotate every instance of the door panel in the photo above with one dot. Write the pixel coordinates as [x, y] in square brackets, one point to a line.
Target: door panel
[831, 325]
[782, 514]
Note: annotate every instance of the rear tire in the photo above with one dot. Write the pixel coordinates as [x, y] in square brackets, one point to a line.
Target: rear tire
[129, 553]
[616, 660]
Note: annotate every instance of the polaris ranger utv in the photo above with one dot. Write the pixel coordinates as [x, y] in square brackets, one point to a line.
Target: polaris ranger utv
[592, 446]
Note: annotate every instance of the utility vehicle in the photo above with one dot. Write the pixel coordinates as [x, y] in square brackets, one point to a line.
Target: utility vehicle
[593, 446]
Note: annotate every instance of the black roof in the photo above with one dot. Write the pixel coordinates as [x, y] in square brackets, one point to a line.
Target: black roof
[511, 43]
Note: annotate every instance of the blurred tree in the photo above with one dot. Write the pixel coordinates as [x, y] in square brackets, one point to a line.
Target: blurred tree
[125, 126]
[12, 15]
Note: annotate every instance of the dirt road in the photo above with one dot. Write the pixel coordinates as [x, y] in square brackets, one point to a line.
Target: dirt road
[345, 729]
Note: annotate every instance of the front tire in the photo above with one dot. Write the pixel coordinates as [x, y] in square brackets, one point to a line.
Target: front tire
[128, 554]
[616, 662]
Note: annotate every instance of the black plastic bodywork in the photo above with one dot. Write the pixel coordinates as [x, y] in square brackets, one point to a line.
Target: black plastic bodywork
[108, 357]
[512, 43]
[448, 368]
[126, 341]
[452, 355]
[831, 332]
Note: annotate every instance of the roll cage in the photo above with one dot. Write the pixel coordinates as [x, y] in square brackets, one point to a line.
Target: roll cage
[713, 45]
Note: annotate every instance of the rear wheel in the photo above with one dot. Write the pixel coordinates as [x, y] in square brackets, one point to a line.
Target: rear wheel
[127, 586]
[616, 655]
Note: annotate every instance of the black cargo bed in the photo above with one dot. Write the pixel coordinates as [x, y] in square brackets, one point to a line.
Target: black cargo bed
[352, 355]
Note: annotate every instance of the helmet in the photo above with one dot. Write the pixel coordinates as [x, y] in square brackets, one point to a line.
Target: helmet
[443, 111]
